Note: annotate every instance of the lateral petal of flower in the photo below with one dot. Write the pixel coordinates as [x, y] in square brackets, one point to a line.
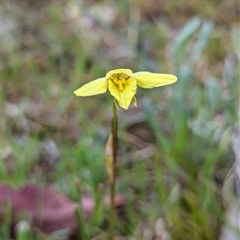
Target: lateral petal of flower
[150, 80]
[94, 87]
[125, 97]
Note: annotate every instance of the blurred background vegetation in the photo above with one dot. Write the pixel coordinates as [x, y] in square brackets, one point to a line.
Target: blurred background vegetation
[174, 148]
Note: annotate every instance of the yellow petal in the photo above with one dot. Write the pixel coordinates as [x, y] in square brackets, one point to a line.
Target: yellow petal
[120, 70]
[150, 80]
[94, 87]
[125, 97]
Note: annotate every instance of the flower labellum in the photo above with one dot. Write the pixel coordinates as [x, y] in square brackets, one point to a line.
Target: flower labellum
[122, 85]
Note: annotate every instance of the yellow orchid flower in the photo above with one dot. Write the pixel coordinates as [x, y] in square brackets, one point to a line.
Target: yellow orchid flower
[122, 85]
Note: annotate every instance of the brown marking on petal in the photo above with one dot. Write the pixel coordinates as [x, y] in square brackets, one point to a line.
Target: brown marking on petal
[120, 80]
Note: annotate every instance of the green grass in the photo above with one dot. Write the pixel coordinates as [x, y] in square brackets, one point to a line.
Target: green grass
[174, 151]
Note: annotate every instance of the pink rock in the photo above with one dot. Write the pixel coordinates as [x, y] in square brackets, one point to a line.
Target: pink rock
[45, 208]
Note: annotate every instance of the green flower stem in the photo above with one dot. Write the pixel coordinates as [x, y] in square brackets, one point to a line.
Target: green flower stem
[114, 163]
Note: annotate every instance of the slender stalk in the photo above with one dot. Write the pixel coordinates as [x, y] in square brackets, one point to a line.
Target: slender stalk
[112, 183]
